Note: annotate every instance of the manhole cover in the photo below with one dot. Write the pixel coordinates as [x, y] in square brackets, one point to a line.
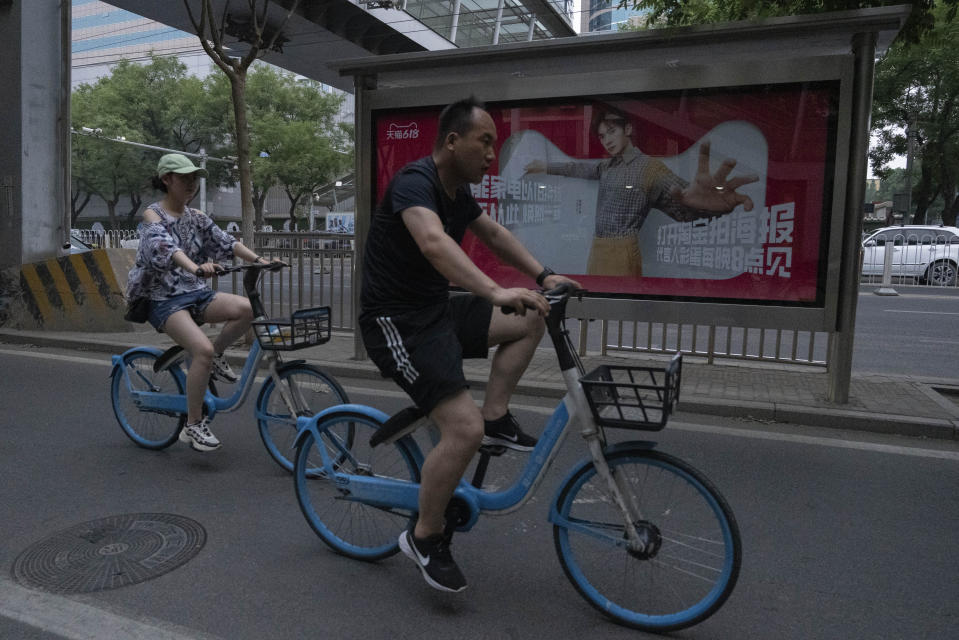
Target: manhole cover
[109, 553]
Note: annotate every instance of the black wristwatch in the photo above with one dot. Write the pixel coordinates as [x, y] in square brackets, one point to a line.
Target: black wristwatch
[545, 273]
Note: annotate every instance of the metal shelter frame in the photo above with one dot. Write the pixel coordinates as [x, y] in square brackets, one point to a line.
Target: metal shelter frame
[837, 46]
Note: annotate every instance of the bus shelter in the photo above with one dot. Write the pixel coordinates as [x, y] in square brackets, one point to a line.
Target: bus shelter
[788, 99]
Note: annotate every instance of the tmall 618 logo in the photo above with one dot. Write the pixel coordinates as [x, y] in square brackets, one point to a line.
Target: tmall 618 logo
[403, 132]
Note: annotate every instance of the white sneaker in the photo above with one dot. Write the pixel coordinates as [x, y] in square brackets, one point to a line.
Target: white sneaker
[199, 436]
[222, 370]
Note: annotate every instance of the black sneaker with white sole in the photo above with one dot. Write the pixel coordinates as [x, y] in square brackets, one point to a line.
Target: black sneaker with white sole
[432, 555]
[222, 370]
[505, 432]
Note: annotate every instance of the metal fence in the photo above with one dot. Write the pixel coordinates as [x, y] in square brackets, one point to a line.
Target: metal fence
[322, 273]
[712, 342]
[917, 256]
[120, 238]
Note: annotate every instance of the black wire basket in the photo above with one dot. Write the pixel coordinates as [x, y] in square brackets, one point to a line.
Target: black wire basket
[305, 328]
[633, 397]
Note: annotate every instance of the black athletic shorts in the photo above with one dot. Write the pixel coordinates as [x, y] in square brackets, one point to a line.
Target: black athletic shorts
[423, 350]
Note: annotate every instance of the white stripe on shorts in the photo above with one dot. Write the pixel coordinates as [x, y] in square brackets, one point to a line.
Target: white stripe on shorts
[400, 356]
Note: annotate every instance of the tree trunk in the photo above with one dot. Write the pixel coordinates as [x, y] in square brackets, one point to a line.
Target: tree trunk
[293, 202]
[135, 202]
[258, 199]
[238, 90]
[112, 213]
[922, 197]
[77, 206]
[951, 205]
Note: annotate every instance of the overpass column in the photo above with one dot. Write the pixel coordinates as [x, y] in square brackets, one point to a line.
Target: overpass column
[35, 144]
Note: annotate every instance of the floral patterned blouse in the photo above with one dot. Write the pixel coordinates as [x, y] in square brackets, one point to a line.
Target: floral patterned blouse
[155, 275]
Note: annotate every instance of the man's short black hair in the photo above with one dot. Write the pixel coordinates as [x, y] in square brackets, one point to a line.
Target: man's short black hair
[457, 118]
[609, 114]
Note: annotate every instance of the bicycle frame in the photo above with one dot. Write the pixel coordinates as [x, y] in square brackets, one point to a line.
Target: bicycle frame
[392, 493]
[177, 404]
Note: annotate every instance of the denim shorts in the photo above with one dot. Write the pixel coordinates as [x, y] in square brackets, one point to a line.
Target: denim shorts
[195, 301]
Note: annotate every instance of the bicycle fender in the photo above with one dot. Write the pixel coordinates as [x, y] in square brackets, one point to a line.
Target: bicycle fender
[117, 360]
[308, 424]
[279, 370]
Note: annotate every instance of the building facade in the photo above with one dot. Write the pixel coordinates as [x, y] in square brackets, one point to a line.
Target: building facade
[604, 15]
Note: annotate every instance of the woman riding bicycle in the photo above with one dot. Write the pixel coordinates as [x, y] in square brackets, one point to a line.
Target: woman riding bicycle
[179, 248]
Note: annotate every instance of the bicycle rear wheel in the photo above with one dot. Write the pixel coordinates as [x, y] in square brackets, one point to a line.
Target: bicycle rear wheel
[148, 429]
[692, 558]
[357, 530]
[311, 391]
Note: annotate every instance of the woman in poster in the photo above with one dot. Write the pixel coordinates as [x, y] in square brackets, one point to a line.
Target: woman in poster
[631, 183]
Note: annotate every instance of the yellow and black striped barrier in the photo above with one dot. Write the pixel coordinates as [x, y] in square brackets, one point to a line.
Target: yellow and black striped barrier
[77, 292]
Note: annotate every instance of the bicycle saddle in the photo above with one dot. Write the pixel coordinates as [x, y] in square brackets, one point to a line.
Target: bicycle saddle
[407, 421]
[400, 423]
[168, 358]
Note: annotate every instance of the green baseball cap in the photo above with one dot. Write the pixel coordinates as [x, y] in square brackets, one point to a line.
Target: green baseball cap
[178, 163]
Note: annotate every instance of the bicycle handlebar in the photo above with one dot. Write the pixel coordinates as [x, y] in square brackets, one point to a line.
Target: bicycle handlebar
[560, 292]
[270, 266]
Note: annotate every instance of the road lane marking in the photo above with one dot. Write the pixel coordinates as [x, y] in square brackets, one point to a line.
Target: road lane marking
[929, 313]
[75, 620]
[817, 441]
[673, 425]
[789, 438]
[57, 356]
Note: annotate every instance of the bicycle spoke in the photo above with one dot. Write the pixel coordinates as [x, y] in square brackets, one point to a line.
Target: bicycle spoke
[689, 557]
[350, 526]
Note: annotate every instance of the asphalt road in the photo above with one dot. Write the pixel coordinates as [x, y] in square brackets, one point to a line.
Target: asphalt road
[914, 333]
[845, 535]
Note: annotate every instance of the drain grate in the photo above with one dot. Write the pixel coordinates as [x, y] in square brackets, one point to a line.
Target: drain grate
[109, 553]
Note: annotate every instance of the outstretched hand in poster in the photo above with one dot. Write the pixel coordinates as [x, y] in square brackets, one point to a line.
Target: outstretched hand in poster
[608, 212]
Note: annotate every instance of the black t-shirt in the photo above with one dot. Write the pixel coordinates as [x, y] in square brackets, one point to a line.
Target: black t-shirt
[397, 278]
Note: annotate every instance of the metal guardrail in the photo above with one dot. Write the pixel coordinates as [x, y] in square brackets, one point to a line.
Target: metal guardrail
[322, 273]
[113, 239]
[712, 342]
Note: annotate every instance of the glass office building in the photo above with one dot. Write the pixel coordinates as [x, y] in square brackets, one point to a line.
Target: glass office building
[603, 15]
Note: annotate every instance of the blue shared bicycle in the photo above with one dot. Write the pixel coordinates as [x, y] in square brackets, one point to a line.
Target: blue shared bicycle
[148, 387]
[643, 536]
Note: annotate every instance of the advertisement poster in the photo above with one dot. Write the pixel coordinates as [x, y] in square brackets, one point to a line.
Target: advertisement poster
[597, 188]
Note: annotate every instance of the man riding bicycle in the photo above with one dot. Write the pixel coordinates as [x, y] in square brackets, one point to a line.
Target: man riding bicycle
[418, 334]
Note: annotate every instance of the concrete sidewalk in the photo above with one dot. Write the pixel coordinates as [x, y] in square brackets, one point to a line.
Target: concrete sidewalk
[907, 405]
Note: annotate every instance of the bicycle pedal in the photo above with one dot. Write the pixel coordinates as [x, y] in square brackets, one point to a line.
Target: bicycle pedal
[494, 450]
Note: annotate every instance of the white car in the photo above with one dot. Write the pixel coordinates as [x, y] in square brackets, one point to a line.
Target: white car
[928, 253]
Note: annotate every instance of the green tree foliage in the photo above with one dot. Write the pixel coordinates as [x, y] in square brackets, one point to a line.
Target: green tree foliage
[916, 82]
[295, 142]
[917, 87]
[252, 27]
[155, 103]
[690, 12]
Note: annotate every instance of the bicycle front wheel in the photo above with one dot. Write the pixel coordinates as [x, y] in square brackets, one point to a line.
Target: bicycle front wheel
[357, 530]
[149, 429]
[693, 552]
[310, 390]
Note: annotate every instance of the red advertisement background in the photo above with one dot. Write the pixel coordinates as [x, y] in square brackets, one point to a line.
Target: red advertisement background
[794, 119]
